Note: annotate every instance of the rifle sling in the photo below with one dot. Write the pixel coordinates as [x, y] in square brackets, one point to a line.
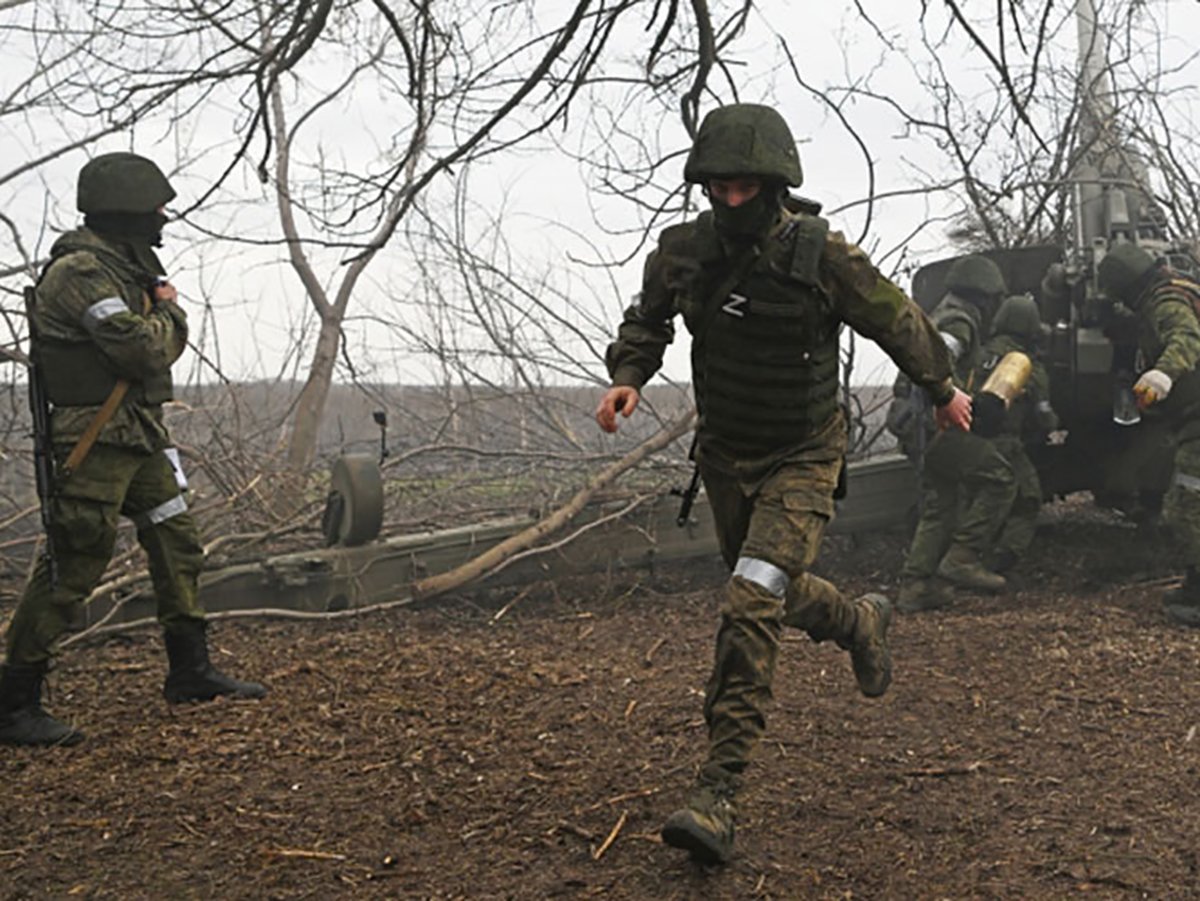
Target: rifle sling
[84, 445]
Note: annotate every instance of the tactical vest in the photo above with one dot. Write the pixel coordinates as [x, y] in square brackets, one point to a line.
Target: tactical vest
[765, 339]
[76, 371]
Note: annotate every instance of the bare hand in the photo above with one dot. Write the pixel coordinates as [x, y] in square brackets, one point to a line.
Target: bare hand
[955, 413]
[165, 291]
[617, 399]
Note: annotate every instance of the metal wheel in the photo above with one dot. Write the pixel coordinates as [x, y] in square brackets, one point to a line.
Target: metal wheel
[354, 510]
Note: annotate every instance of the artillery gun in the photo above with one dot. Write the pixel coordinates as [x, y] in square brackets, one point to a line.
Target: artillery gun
[1090, 349]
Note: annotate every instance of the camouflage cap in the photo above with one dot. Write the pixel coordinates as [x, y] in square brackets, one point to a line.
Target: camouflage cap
[744, 139]
[975, 274]
[122, 183]
[1122, 270]
[1018, 316]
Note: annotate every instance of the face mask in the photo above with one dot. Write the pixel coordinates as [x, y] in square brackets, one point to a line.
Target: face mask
[139, 227]
[139, 232]
[159, 222]
[748, 221]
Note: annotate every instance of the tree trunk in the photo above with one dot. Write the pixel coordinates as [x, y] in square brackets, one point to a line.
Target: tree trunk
[306, 426]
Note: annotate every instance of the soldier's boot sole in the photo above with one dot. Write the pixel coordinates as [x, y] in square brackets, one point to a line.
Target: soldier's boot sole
[870, 655]
[702, 837]
[189, 687]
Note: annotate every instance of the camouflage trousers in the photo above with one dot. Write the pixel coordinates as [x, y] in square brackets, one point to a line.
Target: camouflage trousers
[1016, 533]
[967, 491]
[1181, 507]
[769, 535]
[109, 483]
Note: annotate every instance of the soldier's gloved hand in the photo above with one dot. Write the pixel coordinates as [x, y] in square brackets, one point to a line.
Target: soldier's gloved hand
[1151, 388]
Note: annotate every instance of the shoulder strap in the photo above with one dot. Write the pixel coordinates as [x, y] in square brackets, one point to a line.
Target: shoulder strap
[712, 303]
[808, 235]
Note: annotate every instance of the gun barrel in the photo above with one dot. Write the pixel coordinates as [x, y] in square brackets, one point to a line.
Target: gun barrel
[43, 443]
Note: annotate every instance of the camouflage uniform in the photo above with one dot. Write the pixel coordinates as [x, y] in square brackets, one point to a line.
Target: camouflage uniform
[967, 485]
[95, 325]
[1168, 338]
[1030, 418]
[92, 330]
[764, 316]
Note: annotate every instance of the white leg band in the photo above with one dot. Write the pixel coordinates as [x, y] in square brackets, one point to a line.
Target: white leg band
[160, 514]
[765, 575]
[172, 455]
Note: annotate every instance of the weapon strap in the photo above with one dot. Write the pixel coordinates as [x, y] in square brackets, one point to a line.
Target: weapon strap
[742, 264]
[84, 445]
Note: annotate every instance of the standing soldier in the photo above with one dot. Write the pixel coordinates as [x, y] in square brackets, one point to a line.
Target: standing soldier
[1167, 389]
[966, 485]
[1030, 418]
[106, 328]
[764, 287]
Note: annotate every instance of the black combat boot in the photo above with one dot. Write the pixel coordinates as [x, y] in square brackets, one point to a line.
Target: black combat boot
[22, 719]
[191, 676]
[1182, 604]
[705, 827]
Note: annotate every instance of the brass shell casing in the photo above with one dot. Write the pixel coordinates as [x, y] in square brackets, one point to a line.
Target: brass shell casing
[1008, 379]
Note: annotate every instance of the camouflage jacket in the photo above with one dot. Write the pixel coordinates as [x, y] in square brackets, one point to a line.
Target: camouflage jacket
[1169, 340]
[852, 291]
[95, 325]
[960, 326]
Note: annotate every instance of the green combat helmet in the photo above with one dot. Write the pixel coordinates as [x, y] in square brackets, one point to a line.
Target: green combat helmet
[744, 139]
[1018, 316]
[975, 275]
[122, 183]
[1122, 270]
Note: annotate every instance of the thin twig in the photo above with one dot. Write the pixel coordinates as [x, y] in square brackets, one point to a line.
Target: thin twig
[612, 836]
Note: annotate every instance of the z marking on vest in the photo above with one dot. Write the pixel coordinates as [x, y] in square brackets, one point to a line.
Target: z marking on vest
[734, 305]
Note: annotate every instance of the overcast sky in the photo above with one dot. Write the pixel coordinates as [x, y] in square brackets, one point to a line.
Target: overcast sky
[256, 303]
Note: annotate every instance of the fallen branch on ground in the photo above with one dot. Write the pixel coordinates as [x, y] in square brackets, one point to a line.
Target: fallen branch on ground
[492, 561]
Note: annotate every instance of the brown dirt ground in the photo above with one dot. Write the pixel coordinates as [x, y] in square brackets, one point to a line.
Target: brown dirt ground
[1038, 745]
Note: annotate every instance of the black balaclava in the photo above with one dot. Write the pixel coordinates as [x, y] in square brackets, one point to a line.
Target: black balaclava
[751, 220]
[140, 232]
